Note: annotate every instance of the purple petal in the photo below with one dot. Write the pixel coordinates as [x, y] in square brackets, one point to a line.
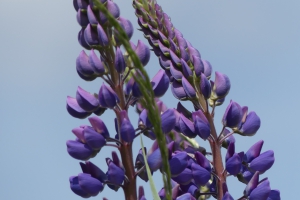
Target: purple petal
[201, 175]
[186, 69]
[93, 170]
[113, 8]
[183, 110]
[164, 62]
[184, 177]
[205, 86]
[186, 126]
[178, 163]
[175, 72]
[154, 160]
[99, 126]
[91, 35]
[230, 151]
[233, 164]
[233, 115]
[79, 150]
[102, 37]
[75, 187]
[274, 195]
[86, 100]
[115, 175]
[253, 152]
[144, 119]
[251, 125]
[94, 139]
[127, 26]
[89, 184]
[252, 184]
[175, 58]
[75, 110]
[263, 162]
[143, 52]
[79, 133]
[261, 192]
[127, 131]
[107, 97]
[201, 128]
[221, 86]
[82, 41]
[91, 16]
[168, 120]
[82, 4]
[178, 91]
[202, 161]
[190, 91]
[82, 18]
[82, 64]
[120, 64]
[96, 63]
[160, 83]
[207, 68]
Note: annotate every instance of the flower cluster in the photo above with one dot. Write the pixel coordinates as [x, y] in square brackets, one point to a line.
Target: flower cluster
[193, 175]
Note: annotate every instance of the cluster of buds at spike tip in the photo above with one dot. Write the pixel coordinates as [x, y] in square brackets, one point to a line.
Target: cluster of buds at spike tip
[187, 71]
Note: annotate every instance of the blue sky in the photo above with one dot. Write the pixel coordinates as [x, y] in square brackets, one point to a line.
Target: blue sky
[256, 43]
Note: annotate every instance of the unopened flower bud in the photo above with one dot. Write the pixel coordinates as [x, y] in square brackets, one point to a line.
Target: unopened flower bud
[107, 97]
[160, 83]
[221, 86]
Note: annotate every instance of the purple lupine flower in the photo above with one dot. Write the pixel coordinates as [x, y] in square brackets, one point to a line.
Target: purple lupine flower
[96, 63]
[115, 175]
[233, 115]
[251, 125]
[107, 97]
[86, 100]
[79, 150]
[127, 131]
[263, 162]
[120, 64]
[256, 190]
[221, 86]
[93, 139]
[75, 110]
[85, 185]
[83, 66]
[160, 83]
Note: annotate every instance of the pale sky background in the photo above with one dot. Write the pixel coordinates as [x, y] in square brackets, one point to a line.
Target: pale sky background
[256, 43]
